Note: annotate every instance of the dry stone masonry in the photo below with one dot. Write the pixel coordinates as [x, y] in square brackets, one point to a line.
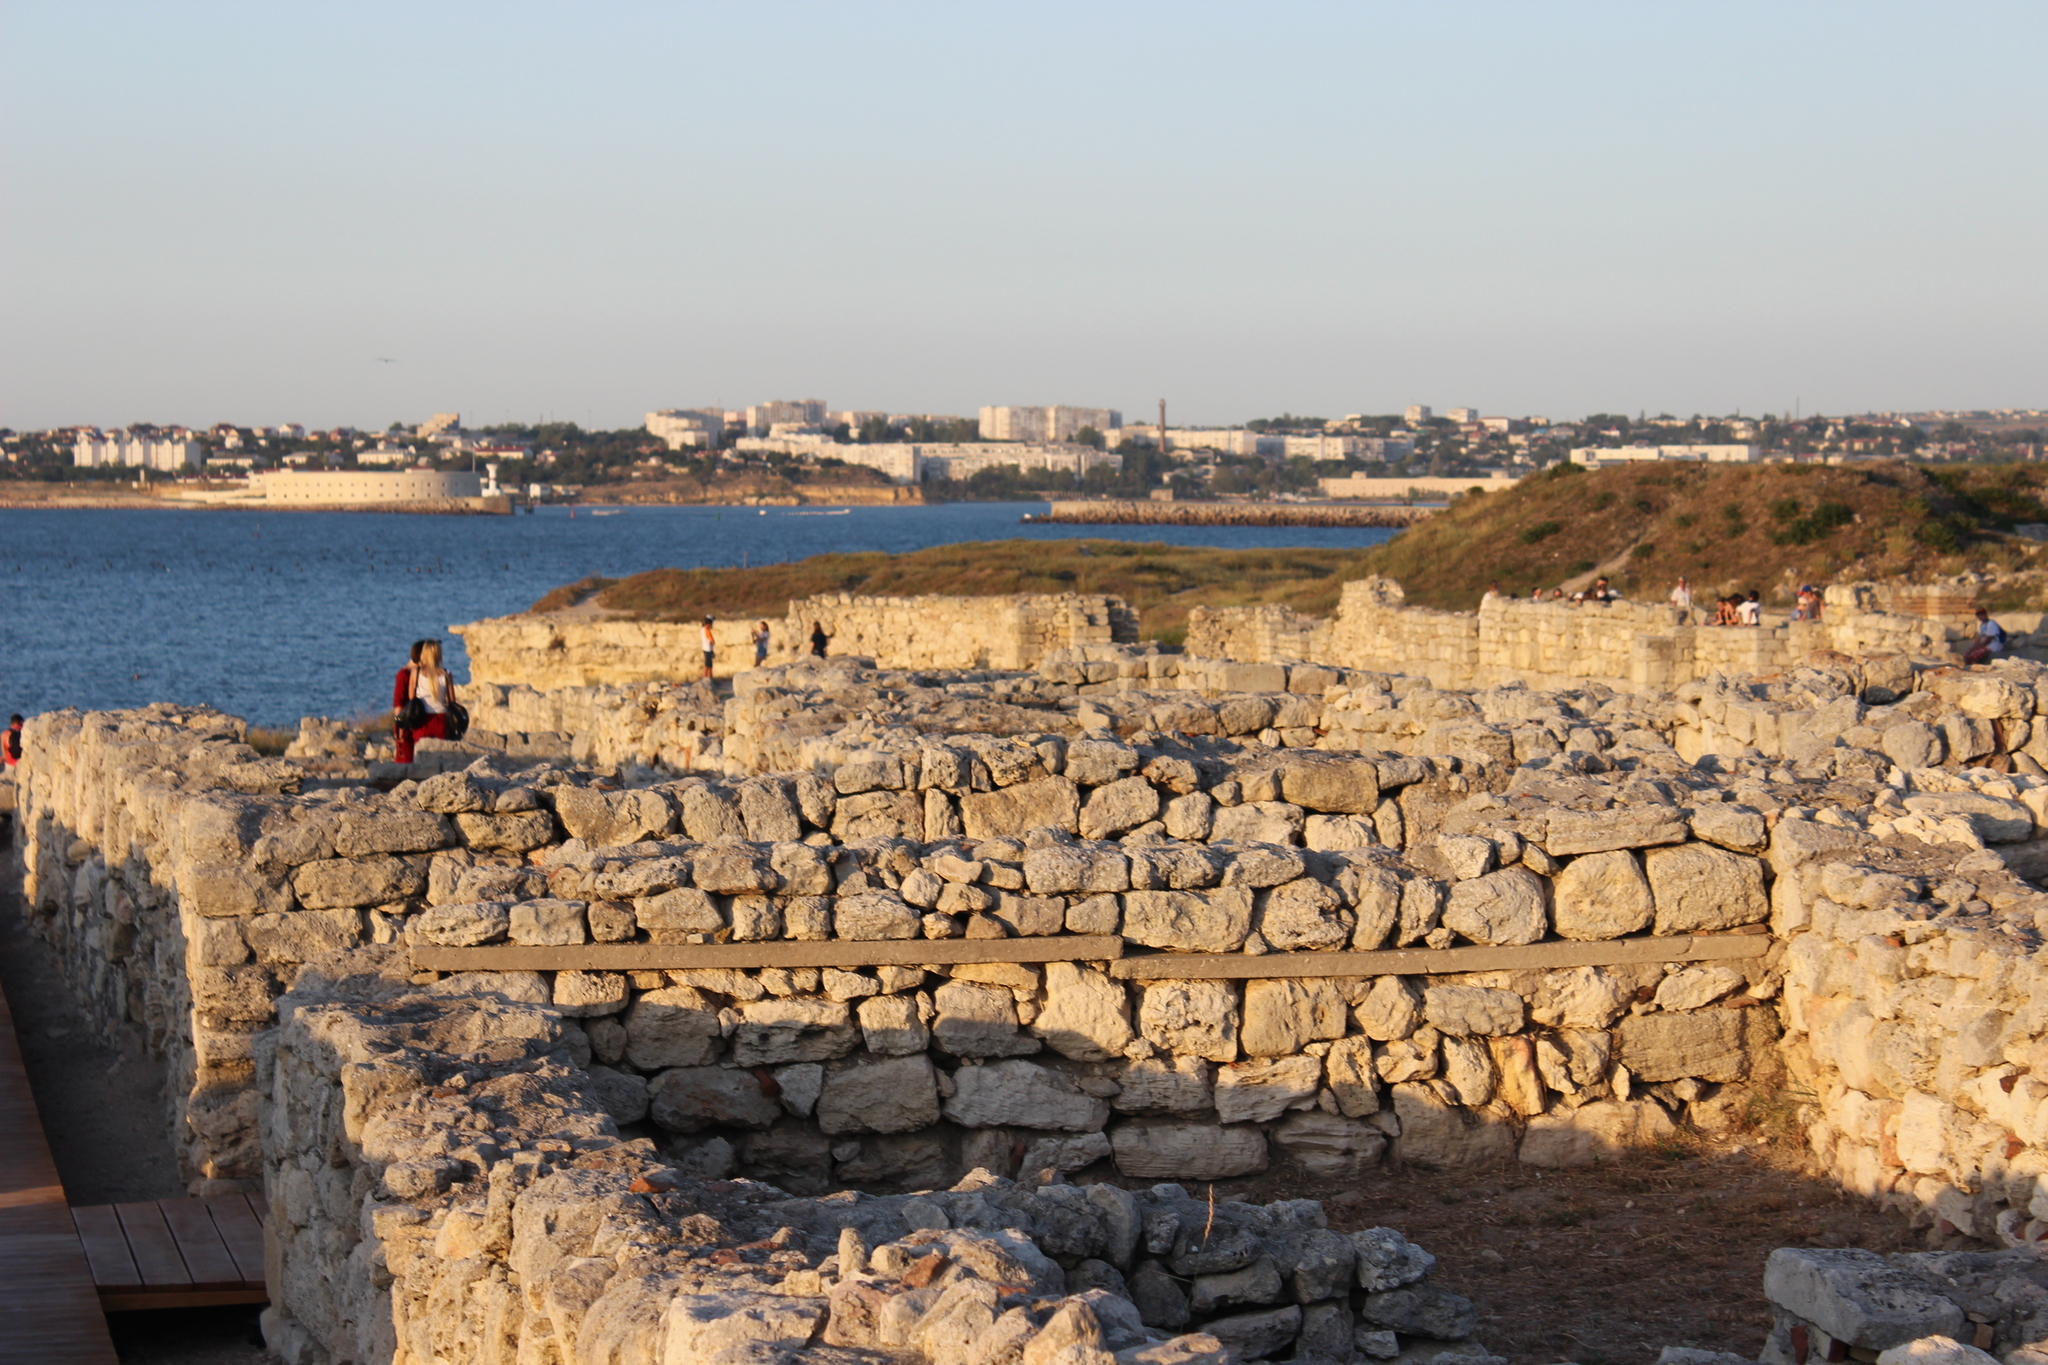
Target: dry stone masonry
[1127, 916]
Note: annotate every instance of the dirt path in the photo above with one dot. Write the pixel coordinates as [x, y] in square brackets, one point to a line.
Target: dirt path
[104, 1116]
[1610, 1264]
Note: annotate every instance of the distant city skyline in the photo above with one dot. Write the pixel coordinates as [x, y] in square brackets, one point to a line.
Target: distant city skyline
[365, 214]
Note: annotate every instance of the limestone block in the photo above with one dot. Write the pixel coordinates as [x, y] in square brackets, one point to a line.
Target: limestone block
[1387, 1260]
[1263, 865]
[1375, 894]
[1097, 762]
[514, 833]
[582, 994]
[1191, 816]
[689, 1099]
[645, 877]
[1466, 1011]
[896, 1095]
[1257, 1283]
[1120, 806]
[240, 992]
[1518, 1080]
[1095, 915]
[1731, 826]
[1465, 856]
[1066, 1154]
[1210, 922]
[1261, 1090]
[873, 915]
[335, 883]
[524, 988]
[1439, 1134]
[1502, 908]
[1059, 870]
[1352, 1078]
[1304, 915]
[1048, 802]
[672, 1026]
[1422, 1310]
[303, 936]
[1938, 1350]
[1392, 1009]
[978, 1021]
[801, 870]
[1338, 833]
[1594, 1132]
[709, 812]
[1029, 916]
[1700, 889]
[1332, 784]
[1569, 832]
[358, 833]
[1162, 1149]
[214, 942]
[214, 889]
[867, 771]
[622, 1095]
[891, 1026]
[1858, 1297]
[1251, 1336]
[1191, 1018]
[1603, 895]
[1691, 988]
[1020, 1094]
[1422, 908]
[879, 815]
[1281, 1014]
[772, 1032]
[1468, 1070]
[1706, 1045]
[815, 799]
[463, 924]
[450, 794]
[1086, 1014]
[1913, 744]
[1580, 998]
[1258, 822]
[1165, 1085]
[548, 923]
[670, 916]
[755, 919]
[733, 869]
[1996, 820]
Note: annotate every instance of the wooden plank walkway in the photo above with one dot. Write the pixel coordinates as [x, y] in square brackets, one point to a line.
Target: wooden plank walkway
[49, 1309]
[174, 1253]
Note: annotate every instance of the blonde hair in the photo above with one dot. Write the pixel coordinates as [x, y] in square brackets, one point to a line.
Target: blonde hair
[430, 653]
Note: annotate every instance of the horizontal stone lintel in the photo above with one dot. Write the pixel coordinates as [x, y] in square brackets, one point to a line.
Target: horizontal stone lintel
[1441, 961]
[624, 957]
[902, 952]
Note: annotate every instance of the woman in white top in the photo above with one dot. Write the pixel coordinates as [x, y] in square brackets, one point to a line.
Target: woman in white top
[435, 689]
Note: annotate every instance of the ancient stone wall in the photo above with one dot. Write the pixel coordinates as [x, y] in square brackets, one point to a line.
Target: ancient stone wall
[447, 1182]
[554, 651]
[1623, 644]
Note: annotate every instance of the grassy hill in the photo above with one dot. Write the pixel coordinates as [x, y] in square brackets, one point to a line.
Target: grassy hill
[1727, 527]
[1767, 527]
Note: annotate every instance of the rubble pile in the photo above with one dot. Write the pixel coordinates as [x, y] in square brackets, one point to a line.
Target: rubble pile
[448, 1185]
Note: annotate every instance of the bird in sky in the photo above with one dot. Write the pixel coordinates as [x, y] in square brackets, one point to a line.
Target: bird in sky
[385, 360]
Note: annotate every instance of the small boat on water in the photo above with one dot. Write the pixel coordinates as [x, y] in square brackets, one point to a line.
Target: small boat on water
[835, 512]
[607, 511]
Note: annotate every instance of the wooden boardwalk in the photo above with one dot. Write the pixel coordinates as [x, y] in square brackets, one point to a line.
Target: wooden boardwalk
[174, 1253]
[49, 1309]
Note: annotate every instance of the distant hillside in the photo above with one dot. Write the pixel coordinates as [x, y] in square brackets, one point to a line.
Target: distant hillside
[1727, 527]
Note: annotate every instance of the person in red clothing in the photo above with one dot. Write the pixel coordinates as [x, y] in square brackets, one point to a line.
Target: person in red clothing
[435, 690]
[401, 691]
[10, 743]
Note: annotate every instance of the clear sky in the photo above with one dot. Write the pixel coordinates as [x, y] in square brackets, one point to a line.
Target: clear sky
[241, 212]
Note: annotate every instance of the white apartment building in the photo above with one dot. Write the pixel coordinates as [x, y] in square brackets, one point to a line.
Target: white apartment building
[387, 456]
[121, 450]
[1055, 423]
[1417, 414]
[897, 460]
[1463, 416]
[809, 412]
[1594, 457]
[966, 460]
[438, 423]
[678, 428]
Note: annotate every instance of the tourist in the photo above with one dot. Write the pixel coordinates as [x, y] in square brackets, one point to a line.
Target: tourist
[1681, 602]
[1601, 593]
[401, 692]
[760, 639]
[1725, 613]
[10, 744]
[818, 639]
[1492, 593]
[434, 690]
[1990, 641]
[709, 645]
[1751, 610]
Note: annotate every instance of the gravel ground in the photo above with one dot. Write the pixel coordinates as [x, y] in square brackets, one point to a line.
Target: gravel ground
[104, 1116]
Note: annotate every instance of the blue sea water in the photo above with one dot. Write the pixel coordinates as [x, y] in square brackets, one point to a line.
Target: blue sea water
[276, 615]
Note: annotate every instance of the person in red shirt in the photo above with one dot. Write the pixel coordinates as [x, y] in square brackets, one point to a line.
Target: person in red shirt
[10, 743]
[401, 692]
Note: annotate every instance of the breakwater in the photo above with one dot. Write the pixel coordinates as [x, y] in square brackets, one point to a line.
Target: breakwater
[1234, 514]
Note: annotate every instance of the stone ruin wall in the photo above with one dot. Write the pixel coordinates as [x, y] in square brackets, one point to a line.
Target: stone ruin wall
[1625, 644]
[1878, 820]
[553, 651]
